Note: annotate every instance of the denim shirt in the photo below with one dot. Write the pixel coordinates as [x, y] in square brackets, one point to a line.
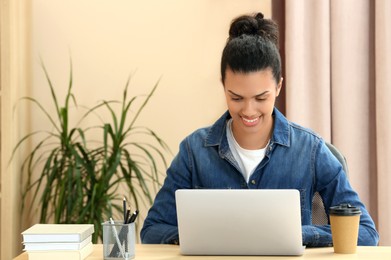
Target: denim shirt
[296, 158]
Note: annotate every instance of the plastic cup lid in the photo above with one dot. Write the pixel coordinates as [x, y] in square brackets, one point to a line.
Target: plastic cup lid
[345, 210]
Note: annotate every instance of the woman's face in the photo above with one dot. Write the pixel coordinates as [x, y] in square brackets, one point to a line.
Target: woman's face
[250, 98]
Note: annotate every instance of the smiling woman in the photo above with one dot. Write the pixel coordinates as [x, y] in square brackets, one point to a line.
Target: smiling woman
[254, 146]
[250, 98]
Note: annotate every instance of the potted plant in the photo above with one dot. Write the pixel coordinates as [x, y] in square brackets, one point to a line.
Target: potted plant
[78, 179]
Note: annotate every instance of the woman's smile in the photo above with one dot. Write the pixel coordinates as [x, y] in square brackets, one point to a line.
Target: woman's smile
[250, 122]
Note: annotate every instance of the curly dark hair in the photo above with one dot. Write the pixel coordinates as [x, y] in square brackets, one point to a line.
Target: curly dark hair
[252, 46]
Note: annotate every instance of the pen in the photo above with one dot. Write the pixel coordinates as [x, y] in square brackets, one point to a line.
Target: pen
[127, 216]
[133, 217]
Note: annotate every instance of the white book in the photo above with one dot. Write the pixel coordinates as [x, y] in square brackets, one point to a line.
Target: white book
[62, 254]
[57, 246]
[57, 233]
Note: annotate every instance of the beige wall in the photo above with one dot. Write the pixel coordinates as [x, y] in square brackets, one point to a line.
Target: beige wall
[179, 40]
[107, 40]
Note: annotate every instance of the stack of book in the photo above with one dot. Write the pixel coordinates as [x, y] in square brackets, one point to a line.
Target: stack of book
[58, 241]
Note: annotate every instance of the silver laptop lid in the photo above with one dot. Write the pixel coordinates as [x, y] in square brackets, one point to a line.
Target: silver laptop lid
[239, 222]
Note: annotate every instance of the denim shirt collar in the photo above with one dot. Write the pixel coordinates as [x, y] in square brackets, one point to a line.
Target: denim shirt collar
[217, 133]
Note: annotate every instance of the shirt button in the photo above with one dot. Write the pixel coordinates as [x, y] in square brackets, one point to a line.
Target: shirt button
[253, 182]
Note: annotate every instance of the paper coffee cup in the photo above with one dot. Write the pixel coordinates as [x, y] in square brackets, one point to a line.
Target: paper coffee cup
[345, 221]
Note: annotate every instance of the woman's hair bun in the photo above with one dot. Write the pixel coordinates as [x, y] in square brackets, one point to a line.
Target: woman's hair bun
[254, 25]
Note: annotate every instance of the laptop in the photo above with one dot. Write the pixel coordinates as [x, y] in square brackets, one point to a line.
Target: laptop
[239, 222]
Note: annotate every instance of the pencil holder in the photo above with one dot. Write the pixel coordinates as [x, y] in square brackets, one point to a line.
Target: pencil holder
[118, 240]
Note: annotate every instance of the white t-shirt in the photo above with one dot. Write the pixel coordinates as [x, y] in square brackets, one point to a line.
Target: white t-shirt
[248, 160]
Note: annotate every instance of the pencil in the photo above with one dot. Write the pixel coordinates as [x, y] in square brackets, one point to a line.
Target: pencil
[124, 207]
[117, 238]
